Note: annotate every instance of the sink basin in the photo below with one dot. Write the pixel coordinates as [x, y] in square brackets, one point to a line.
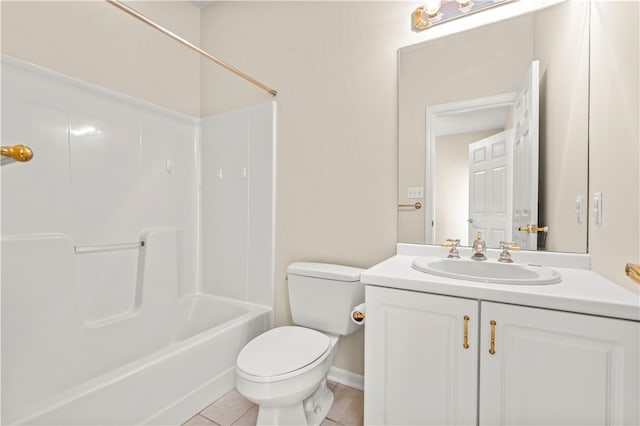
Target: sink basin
[488, 271]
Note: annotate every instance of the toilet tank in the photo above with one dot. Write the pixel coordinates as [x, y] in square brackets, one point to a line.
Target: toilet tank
[321, 296]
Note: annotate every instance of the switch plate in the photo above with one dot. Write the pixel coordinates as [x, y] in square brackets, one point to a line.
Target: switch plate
[597, 207]
[579, 208]
[414, 192]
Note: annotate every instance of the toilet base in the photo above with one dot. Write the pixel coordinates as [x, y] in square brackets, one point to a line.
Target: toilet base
[312, 411]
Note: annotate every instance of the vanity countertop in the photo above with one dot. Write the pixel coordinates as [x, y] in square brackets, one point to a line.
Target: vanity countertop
[581, 290]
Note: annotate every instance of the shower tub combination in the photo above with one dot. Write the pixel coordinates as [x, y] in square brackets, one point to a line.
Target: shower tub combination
[158, 364]
[103, 321]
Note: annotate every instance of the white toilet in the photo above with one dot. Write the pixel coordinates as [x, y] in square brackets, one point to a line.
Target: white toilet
[284, 370]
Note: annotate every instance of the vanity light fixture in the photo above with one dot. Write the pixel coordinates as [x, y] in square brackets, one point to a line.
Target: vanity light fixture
[438, 11]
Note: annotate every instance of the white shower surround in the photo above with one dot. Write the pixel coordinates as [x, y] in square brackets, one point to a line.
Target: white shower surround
[128, 337]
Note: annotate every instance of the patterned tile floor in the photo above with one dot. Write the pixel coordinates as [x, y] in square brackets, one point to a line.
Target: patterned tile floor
[233, 409]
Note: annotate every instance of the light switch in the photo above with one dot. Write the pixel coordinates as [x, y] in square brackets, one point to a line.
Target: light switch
[597, 207]
[414, 192]
[579, 206]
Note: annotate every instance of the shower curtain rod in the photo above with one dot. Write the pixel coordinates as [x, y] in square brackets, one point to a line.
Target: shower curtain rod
[190, 45]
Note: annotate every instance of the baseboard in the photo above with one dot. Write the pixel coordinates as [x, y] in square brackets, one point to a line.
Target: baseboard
[346, 378]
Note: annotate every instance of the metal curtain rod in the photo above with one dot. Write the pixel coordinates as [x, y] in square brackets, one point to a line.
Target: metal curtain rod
[190, 45]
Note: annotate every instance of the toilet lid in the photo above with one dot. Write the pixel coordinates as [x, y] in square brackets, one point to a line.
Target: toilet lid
[282, 350]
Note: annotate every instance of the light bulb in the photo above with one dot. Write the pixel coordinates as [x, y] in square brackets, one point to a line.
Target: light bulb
[464, 5]
[432, 7]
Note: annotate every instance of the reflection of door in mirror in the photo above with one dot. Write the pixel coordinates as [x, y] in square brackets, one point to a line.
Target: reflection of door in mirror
[525, 153]
[452, 184]
[502, 197]
[490, 188]
[454, 178]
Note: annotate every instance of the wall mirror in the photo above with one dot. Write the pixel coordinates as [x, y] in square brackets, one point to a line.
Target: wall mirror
[493, 133]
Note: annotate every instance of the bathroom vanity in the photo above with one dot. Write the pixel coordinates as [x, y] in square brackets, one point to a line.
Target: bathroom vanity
[442, 350]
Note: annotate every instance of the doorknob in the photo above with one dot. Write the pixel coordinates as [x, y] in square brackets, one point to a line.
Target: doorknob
[470, 220]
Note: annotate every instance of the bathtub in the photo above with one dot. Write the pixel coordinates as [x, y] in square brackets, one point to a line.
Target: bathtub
[158, 362]
[169, 385]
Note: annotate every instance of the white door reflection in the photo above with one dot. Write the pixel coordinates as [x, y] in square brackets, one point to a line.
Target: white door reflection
[492, 186]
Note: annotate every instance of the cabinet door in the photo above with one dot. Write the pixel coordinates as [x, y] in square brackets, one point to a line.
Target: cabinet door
[551, 367]
[417, 371]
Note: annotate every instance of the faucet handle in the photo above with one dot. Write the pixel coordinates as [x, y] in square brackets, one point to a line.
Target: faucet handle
[454, 244]
[505, 246]
[509, 245]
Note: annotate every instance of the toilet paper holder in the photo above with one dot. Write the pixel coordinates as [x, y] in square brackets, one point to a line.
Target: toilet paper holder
[357, 316]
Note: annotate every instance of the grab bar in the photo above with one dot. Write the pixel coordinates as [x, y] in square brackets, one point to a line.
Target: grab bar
[108, 247]
[633, 272]
[21, 153]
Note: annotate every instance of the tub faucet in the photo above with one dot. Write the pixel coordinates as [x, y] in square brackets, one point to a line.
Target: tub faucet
[479, 248]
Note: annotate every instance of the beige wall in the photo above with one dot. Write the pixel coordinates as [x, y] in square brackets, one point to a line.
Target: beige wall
[614, 138]
[334, 66]
[561, 44]
[95, 42]
[466, 65]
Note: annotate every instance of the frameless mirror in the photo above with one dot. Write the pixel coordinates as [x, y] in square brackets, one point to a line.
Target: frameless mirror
[493, 126]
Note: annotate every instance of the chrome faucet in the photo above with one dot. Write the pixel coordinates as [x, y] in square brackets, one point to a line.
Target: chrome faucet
[453, 252]
[505, 256]
[479, 248]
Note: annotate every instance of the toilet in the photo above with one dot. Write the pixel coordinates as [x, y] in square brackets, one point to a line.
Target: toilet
[285, 370]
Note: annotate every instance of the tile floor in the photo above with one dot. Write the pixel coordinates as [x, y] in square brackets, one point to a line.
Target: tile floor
[233, 409]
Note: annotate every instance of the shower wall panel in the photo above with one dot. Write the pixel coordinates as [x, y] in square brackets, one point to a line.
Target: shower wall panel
[106, 167]
[238, 202]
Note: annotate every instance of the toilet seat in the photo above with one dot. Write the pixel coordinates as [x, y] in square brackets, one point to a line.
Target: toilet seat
[282, 353]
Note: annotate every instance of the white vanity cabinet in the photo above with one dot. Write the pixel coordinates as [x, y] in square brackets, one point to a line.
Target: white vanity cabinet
[417, 371]
[545, 366]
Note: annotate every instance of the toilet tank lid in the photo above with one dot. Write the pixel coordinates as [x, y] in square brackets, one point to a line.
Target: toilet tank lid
[326, 271]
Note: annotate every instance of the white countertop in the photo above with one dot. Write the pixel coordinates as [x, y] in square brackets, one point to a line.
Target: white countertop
[581, 290]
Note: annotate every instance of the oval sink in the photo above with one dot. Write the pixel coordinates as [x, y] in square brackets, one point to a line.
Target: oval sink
[488, 272]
